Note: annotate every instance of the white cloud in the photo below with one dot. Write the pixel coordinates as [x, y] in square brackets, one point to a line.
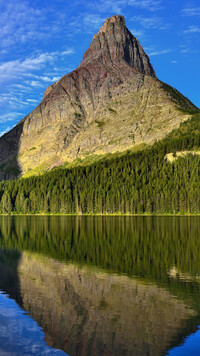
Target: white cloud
[137, 33]
[186, 50]
[8, 128]
[89, 23]
[93, 21]
[117, 6]
[9, 116]
[44, 79]
[21, 22]
[158, 53]
[149, 48]
[191, 11]
[107, 5]
[18, 22]
[150, 22]
[21, 79]
[67, 52]
[151, 5]
[174, 62]
[55, 79]
[32, 101]
[18, 68]
[20, 86]
[34, 83]
[192, 29]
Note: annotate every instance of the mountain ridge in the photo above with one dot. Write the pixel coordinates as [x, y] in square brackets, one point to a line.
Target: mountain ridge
[111, 102]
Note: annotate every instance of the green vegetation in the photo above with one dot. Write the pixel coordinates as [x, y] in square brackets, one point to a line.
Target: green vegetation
[135, 183]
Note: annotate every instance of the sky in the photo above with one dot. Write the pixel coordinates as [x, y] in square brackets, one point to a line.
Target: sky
[19, 333]
[40, 41]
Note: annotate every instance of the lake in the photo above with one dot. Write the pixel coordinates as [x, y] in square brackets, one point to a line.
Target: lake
[91, 285]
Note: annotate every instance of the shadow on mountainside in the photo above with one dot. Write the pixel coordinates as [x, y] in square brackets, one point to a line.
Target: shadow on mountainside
[9, 152]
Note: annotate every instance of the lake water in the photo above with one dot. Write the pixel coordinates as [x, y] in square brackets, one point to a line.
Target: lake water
[99, 286]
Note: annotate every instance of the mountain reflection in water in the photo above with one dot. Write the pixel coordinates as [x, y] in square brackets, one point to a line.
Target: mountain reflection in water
[104, 285]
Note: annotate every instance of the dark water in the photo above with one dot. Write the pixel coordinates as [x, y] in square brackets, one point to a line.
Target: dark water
[99, 286]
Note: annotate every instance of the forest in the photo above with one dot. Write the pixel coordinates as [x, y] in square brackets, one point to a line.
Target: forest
[144, 182]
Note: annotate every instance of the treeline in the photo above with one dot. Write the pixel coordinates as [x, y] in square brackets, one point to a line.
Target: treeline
[136, 183]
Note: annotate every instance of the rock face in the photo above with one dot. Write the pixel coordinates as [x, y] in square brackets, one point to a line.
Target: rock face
[111, 102]
[114, 44]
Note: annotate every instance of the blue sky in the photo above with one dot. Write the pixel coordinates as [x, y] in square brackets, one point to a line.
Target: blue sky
[40, 41]
[19, 333]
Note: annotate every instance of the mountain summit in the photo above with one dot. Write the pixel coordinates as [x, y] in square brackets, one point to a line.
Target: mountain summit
[112, 102]
[114, 44]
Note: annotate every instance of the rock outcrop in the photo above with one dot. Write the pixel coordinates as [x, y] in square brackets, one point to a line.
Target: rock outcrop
[111, 102]
[114, 44]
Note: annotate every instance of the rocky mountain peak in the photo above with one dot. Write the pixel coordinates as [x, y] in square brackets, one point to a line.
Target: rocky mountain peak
[117, 20]
[111, 103]
[115, 44]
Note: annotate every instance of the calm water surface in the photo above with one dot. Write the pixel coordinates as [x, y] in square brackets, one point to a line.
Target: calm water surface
[99, 286]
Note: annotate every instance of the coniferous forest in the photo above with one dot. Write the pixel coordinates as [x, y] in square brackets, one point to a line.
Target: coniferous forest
[135, 183]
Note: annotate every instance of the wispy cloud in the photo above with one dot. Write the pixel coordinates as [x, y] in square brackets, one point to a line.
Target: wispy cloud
[8, 128]
[21, 22]
[118, 6]
[19, 68]
[137, 33]
[150, 22]
[192, 29]
[66, 52]
[191, 11]
[27, 78]
[34, 83]
[18, 22]
[89, 23]
[93, 22]
[187, 50]
[33, 101]
[107, 5]
[9, 116]
[161, 52]
[55, 79]
[150, 5]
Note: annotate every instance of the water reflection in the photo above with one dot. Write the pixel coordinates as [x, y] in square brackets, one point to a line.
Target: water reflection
[84, 310]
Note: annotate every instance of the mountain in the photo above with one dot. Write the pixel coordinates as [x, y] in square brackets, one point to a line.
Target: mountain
[112, 102]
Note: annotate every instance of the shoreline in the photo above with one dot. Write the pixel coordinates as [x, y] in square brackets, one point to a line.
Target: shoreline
[103, 215]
